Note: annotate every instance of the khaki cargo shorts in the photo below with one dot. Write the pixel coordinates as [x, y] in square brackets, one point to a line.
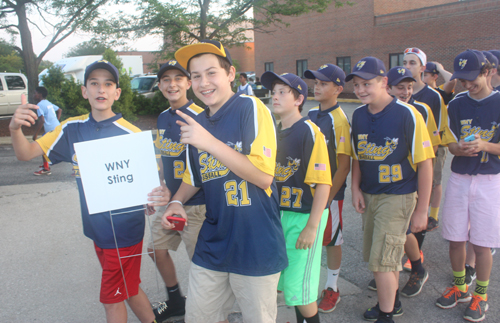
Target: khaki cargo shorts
[385, 222]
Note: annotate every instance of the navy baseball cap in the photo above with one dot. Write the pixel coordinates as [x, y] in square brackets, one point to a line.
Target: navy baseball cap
[368, 68]
[327, 73]
[467, 65]
[491, 58]
[397, 74]
[431, 68]
[496, 53]
[206, 46]
[170, 65]
[102, 64]
[289, 79]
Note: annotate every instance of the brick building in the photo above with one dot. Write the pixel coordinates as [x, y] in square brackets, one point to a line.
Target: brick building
[380, 28]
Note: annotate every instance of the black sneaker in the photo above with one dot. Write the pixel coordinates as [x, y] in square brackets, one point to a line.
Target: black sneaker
[372, 285]
[168, 309]
[414, 285]
[371, 314]
[432, 224]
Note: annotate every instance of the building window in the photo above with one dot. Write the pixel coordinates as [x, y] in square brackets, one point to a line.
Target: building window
[301, 67]
[396, 60]
[269, 66]
[344, 63]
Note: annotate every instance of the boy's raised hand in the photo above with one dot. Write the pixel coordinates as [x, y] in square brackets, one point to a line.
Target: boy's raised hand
[23, 116]
[193, 133]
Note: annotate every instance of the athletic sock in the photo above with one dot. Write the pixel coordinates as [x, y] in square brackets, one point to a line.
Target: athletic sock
[459, 280]
[174, 293]
[434, 213]
[396, 299]
[300, 318]
[420, 238]
[385, 316]
[333, 276]
[313, 319]
[416, 266]
[481, 288]
[46, 165]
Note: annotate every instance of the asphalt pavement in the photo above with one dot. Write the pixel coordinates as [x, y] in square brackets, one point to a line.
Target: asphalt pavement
[49, 271]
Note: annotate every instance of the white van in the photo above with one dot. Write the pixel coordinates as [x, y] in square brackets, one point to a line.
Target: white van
[12, 85]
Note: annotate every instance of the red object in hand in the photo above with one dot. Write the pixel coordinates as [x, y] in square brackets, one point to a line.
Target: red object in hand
[178, 222]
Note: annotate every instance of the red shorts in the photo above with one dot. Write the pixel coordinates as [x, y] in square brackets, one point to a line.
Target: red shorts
[333, 231]
[113, 289]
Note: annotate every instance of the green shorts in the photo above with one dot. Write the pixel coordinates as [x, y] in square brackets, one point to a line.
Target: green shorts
[300, 280]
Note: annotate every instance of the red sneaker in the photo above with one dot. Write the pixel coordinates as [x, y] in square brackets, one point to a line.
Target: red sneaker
[329, 300]
[42, 171]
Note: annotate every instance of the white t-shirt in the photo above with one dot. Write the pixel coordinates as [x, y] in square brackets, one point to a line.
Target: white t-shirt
[48, 111]
[247, 89]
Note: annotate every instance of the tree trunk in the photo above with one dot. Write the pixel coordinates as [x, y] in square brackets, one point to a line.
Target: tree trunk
[29, 57]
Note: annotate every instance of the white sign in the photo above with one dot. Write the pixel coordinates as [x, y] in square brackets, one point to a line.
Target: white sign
[117, 172]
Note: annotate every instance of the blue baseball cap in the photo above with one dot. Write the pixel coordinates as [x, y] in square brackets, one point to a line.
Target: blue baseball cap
[170, 65]
[491, 58]
[467, 65]
[289, 79]
[431, 68]
[368, 68]
[496, 53]
[205, 46]
[397, 74]
[102, 64]
[327, 73]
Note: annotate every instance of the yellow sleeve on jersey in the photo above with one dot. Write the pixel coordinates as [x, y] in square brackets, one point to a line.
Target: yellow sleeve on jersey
[188, 172]
[444, 115]
[448, 136]
[263, 150]
[157, 140]
[125, 124]
[431, 126]
[47, 140]
[342, 133]
[421, 147]
[318, 169]
[196, 109]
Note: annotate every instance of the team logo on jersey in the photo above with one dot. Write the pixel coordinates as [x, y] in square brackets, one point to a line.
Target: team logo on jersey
[171, 148]
[238, 146]
[211, 167]
[172, 62]
[401, 71]
[486, 134]
[360, 64]
[76, 168]
[462, 62]
[322, 67]
[282, 172]
[370, 151]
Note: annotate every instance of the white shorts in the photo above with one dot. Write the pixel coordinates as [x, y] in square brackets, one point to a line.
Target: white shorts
[471, 210]
[333, 231]
[211, 295]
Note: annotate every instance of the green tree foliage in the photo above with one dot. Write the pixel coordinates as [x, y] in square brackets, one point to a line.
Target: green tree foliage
[184, 22]
[43, 65]
[10, 61]
[65, 16]
[91, 47]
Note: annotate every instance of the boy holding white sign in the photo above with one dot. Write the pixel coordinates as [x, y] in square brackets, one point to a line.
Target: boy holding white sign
[101, 88]
[174, 84]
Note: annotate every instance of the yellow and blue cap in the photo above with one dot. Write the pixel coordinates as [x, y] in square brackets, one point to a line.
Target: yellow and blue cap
[170, 65]
[467, 65]
[206, 46]
[491, 58]
[397, 74]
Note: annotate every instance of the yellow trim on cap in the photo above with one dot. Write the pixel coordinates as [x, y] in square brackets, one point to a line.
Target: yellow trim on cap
[184, 54]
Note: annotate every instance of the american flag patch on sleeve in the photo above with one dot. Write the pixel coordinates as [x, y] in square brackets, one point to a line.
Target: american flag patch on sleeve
[342, 139]
[267, 152]
[436, 133]
[319, 166]
[426, 144]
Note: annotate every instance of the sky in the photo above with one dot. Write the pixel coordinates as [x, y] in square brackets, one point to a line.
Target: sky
[40, 41]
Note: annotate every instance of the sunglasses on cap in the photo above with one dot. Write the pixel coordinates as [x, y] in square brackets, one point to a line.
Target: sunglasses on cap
[412, 50]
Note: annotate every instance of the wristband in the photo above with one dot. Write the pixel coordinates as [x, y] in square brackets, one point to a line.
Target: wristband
[175, 201]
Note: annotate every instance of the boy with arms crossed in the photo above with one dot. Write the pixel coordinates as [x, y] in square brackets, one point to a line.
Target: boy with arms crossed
[174, 84]
[392, 156]
[231, 155]
[303, 178]
[331, 119]
[101, 88]
[245, 87]
[471, 203]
